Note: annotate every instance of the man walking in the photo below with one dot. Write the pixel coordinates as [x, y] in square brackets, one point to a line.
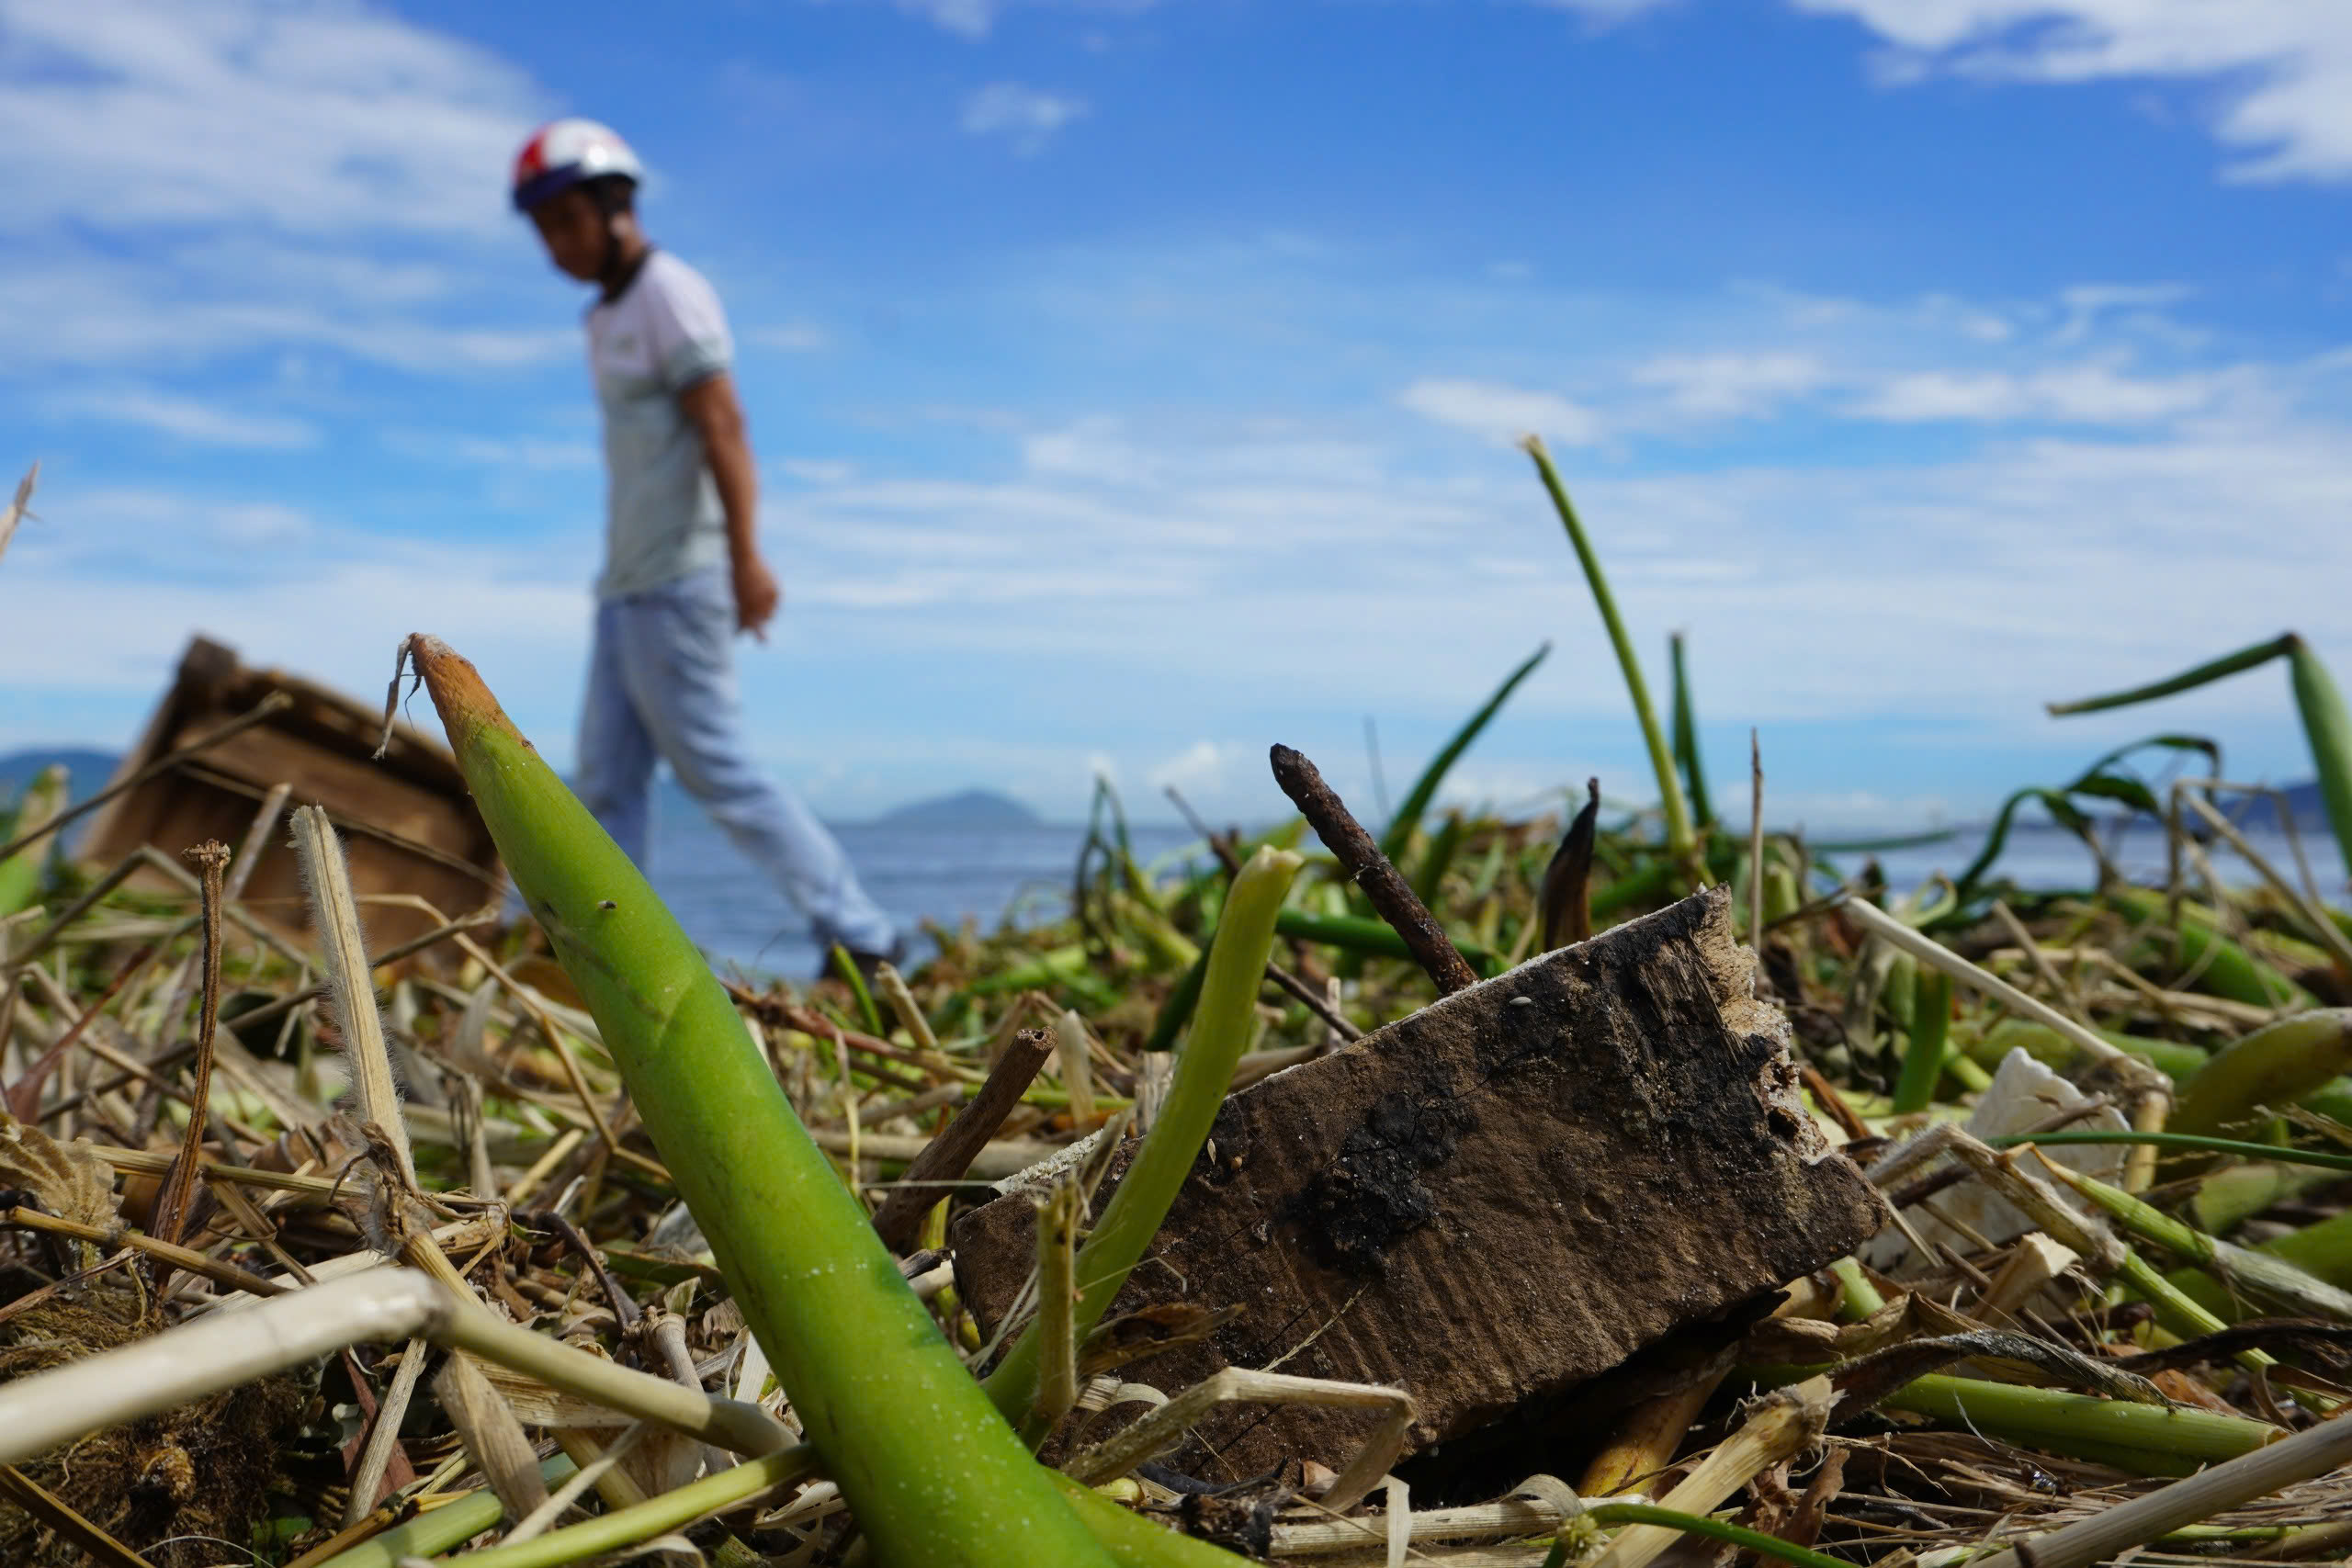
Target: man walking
[683, 571]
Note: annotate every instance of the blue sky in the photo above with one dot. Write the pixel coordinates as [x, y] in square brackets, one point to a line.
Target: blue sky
[1134, 382]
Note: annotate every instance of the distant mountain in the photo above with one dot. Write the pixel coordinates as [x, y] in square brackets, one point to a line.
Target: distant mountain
[87, 771]
[2261, 811]
[970, 808]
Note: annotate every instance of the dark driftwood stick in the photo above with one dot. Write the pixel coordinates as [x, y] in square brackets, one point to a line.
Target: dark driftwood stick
[951, 1151]
[1312, 1001]
[1369, 869]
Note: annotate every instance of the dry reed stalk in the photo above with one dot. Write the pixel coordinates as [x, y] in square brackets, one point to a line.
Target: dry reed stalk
[1788, 1421]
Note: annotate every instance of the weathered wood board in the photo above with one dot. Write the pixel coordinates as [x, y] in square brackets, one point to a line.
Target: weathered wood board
[1503, 1195]
[407, 823]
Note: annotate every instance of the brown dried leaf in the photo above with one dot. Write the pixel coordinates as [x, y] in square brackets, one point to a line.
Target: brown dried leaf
[66, 1180]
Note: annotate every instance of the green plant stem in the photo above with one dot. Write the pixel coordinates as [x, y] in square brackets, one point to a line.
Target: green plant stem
[1374, 938]
[936, 1477]
[444, 1528]
[2328, 730]
[2216, 963]
[1400, 832]
[1221, 1025]
[1686, 741]
[1923, 1060]
[625, 1527]
[1609, 1513]
[1858, 1298]
[1177, 1010]
[2055, 1419]
[1681, 844]
[2283, 1153]
[2215, 669]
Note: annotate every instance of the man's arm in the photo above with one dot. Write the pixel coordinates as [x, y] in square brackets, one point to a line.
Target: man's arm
[718, 415]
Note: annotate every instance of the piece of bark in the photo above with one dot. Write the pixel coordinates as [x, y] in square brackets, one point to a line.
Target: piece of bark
[1506, 1194]
[953, 1148]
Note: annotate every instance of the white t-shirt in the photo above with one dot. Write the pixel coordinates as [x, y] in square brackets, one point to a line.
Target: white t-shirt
[664, 334]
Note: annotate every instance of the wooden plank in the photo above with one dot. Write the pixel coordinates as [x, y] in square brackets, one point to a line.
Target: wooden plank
[409, 825]
[1503, 1196]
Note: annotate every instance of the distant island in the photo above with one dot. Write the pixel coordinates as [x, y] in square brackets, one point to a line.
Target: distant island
[968, 808]
[2261, 811]
[87, 771]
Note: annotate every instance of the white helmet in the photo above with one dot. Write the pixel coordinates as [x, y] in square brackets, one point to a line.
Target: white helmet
[566, 153]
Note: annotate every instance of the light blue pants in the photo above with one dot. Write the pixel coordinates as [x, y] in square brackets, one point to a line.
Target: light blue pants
[662, 684]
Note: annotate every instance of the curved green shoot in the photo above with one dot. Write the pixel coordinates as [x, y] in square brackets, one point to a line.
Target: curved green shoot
[2327, 729]
[1681, 843]
[934, 1474]
[1408, 816]
[1222, 1024]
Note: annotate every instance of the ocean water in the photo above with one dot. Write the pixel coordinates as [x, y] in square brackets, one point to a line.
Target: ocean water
[945, 874]
[991, 874]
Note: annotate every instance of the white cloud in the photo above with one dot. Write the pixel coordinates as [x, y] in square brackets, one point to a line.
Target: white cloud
[1093, 448]
[2284, 66]
[976, 18]
[817, 470]
[1500, 411]
[2075, 394]
[1025, 116]
[310, 118]
[535, 453]
[1603, 10]
[191, 184]
[793, 337]
[1199, 769]
[966, 19]
[190, 419]
[1732, 386]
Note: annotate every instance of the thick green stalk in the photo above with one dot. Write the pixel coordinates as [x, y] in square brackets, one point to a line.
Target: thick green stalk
[2056, 1052]
[1222, 1024]
[1923, 1060]
[2214, 963]
[2263, 1274]
[935, 1475]
[1416, 800]
[1681, 844]
[2328, 730]
[2052, 1418]
[1686, 740]
[1374, 939]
